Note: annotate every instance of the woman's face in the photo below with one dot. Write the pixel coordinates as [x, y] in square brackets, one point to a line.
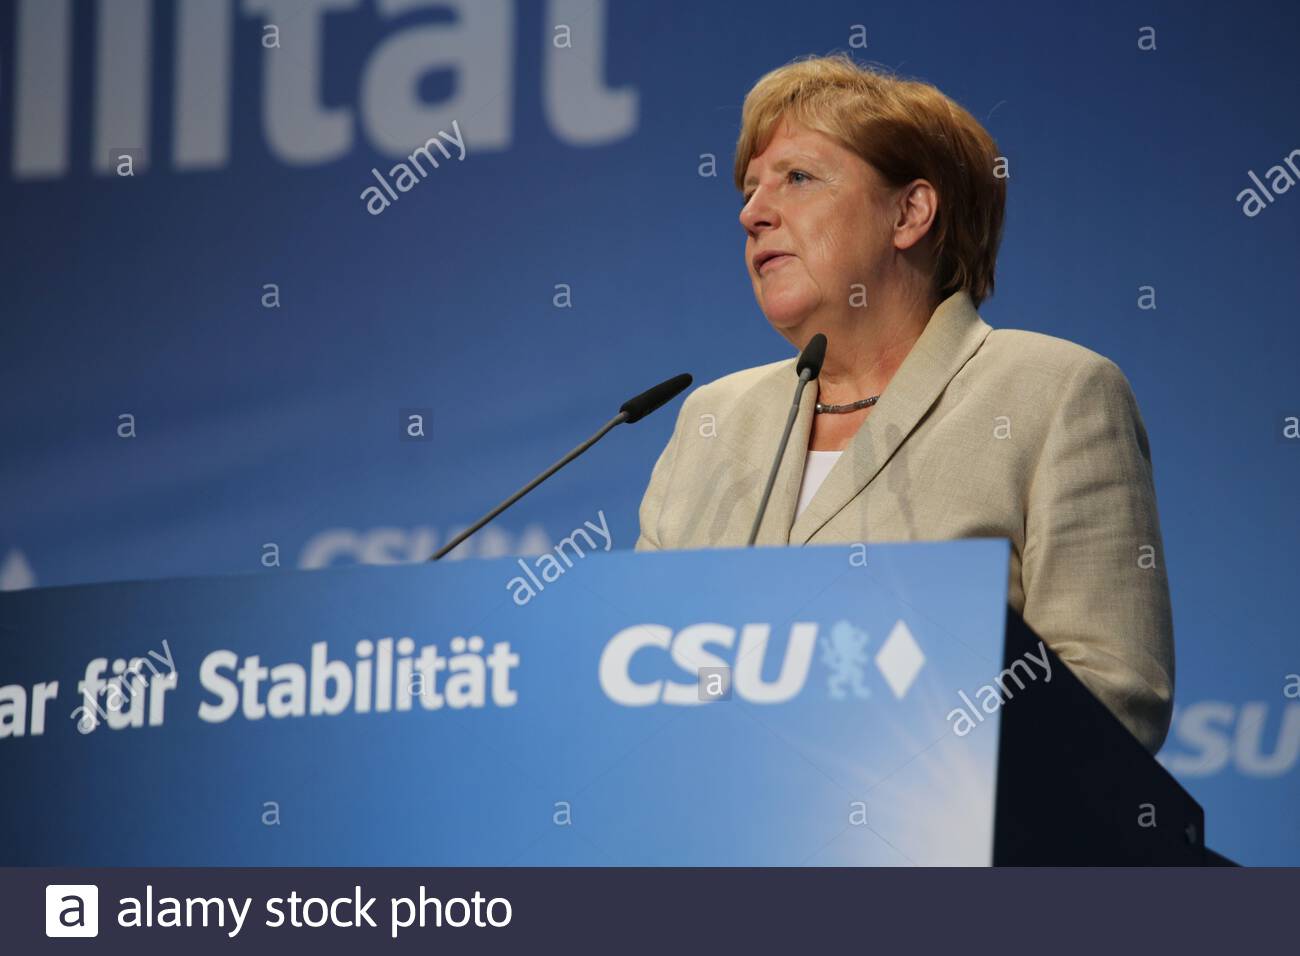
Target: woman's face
[826, 210]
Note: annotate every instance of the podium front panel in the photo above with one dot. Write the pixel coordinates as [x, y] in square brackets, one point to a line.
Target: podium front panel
[770, 706]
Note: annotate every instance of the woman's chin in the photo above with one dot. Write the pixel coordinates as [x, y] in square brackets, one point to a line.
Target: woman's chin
[785, 316]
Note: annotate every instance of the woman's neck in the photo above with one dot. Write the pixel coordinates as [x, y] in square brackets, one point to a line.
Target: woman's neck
[862, 356]
[861, 360]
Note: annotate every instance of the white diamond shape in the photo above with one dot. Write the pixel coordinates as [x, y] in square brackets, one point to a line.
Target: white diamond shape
[900, 659]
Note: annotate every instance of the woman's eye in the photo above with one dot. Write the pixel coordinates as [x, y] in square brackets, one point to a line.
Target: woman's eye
[789, 178]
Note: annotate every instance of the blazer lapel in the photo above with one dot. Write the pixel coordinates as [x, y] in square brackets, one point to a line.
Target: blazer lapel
[775, 528]
[750, 441]
[950, 338]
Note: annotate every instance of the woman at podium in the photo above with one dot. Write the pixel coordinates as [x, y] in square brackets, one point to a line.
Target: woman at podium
[872, 211]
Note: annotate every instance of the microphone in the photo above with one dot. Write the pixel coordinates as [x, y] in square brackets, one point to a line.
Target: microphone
[809, 367]
[633, 410]
[653, 399]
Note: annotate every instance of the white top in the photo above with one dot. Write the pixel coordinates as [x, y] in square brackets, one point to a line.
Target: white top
[816, 467]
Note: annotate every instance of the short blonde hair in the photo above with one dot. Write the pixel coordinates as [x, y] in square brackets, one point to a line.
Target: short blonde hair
[905, 130]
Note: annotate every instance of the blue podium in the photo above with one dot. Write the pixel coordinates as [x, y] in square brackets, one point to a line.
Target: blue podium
[848, 706]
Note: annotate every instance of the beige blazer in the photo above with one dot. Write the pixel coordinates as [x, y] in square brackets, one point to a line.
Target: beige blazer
[981, 433]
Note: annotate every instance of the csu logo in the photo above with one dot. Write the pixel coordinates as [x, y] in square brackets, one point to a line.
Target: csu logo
[719, 646]
[1211, 736]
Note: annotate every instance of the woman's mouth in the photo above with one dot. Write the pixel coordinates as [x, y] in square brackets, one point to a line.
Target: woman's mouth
[775, 262]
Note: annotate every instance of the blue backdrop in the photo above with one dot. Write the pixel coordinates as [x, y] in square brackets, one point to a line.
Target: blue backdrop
[235, 309]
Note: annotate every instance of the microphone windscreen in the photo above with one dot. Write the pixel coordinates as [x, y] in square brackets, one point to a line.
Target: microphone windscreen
[812, 356]
[652, 399]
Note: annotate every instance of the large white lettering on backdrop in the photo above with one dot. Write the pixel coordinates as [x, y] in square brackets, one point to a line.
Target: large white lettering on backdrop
[478, 46]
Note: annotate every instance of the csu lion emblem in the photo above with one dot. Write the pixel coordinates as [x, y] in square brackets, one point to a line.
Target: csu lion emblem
[845, 654]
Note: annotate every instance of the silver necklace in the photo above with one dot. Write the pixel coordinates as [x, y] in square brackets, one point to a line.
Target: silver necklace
[850, 407]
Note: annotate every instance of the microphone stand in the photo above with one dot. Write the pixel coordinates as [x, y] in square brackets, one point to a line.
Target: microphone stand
[810, 366]
[616, 420]
[633, 410]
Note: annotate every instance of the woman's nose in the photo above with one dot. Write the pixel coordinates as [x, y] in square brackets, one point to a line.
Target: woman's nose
[758, 213]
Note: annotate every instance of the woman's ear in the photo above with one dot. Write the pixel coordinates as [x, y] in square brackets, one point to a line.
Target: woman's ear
[918, 205]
